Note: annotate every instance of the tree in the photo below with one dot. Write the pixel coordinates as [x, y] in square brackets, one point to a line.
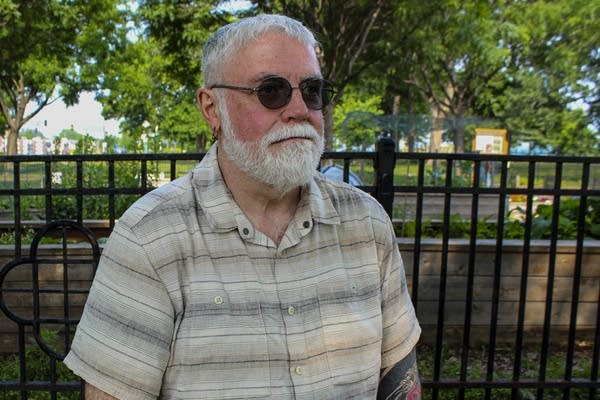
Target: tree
[553, 67]
[563, 49]
[149, 101]
[449, 59]
[535, 113]
[32, 133]
[51, 49]
[153, 82]
[521, 64]
[355, 124]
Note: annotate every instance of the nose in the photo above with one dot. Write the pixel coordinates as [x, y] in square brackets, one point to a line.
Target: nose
[296, 109]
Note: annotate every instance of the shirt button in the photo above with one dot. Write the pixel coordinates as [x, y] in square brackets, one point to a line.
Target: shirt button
[245, 231]
[306, 224]
[291, 310]
[218, 300]
[298, 370]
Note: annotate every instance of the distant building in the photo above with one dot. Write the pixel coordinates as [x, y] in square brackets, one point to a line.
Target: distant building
[40, 146]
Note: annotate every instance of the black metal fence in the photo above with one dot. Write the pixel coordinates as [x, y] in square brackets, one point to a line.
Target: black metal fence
[483, 238]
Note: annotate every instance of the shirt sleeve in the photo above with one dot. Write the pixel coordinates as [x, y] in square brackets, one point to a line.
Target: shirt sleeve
[122, 343]
[401, 330]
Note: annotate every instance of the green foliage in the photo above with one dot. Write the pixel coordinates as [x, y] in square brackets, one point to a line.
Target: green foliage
[514, 228]
[567, 219]
[554, 64]
[9, 237]
[151, 102]
[530, 67]
[179, 30]
[152, 82]
[37, 369]
[86, 145]
[32, 133]
[52, 49]
[69, 134]
[354, 127]
[95, 175]
[537, 113]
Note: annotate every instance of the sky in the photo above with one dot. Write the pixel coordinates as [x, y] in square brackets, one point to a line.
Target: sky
[84, 117]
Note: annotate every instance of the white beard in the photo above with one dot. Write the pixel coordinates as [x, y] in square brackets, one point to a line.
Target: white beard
[292, 165]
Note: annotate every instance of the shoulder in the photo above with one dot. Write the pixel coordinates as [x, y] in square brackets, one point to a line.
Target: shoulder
[161, 205]
[350, 201]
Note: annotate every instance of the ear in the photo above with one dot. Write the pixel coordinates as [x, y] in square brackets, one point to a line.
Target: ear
[207, 104]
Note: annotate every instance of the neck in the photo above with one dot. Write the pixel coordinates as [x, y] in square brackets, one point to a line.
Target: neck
[269, 210]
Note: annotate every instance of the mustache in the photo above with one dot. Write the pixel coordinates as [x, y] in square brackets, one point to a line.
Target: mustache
[293, 132]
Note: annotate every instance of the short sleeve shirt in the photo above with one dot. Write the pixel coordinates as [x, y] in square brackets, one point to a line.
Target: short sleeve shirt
[191, 302]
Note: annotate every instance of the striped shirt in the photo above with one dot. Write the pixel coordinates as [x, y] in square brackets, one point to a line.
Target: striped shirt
[191, 302]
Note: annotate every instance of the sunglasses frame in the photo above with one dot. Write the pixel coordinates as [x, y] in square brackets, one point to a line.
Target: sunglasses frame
[326, 87]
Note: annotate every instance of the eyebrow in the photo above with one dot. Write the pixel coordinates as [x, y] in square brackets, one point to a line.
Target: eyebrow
[265, 76]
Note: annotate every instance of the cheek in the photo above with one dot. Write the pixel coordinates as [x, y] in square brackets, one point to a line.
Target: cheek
[248, 124]
[318, 122]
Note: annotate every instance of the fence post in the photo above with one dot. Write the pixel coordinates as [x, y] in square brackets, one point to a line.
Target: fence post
[385, 161]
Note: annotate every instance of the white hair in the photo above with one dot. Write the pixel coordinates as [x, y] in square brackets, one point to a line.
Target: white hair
[230, 39]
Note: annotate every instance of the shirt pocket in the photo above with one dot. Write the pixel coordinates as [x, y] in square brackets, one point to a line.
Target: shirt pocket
[220, 351]
[352, 326]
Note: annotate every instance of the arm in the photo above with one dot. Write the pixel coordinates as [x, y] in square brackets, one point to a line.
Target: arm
[93, 393]
[401, 382]
[128, 315]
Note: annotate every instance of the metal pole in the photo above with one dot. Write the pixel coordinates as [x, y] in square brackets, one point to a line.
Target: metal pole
[384, 166]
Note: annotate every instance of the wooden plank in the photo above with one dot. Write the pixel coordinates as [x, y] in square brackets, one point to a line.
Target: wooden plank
[456, 288]
[508, 312]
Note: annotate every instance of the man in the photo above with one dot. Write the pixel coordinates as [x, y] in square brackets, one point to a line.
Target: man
[253, 276]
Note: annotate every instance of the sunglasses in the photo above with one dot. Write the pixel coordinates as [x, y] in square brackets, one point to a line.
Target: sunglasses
[276, 92]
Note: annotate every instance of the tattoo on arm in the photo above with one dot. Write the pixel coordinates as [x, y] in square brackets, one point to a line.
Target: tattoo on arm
[401, 382]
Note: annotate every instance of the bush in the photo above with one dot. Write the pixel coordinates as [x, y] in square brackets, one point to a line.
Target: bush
[541, 224]
[37, 369]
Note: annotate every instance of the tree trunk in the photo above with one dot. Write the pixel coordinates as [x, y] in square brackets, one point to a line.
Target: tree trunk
[435, 140]
[437, 128]
[11, 136]
[17, 118]
[459, 135]
[410, 122]
[396, 125]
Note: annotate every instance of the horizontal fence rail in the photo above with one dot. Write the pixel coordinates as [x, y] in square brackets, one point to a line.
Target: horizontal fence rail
[502, 255]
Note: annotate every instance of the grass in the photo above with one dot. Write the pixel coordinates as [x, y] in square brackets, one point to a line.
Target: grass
[503, 370]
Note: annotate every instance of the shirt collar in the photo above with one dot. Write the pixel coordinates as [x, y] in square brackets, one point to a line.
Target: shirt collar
[223, 213]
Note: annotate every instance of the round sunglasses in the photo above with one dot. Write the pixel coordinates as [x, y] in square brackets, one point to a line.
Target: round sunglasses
[276, 92]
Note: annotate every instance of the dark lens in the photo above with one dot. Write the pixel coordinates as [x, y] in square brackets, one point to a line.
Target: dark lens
[316, 93]
[274, 92]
